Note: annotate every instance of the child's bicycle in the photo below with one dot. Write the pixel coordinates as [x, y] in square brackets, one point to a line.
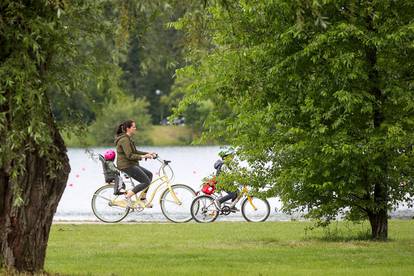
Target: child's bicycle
[175, 200]
[204, 208]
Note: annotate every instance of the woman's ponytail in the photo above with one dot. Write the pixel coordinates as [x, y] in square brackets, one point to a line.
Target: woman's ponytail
[120, 129]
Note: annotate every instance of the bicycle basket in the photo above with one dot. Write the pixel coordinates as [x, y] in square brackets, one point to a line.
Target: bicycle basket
[209, 187]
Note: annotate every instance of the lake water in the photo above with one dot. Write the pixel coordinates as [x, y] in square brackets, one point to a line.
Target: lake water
[190, 165]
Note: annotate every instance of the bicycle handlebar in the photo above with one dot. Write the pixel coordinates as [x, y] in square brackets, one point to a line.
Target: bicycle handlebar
[165, 162]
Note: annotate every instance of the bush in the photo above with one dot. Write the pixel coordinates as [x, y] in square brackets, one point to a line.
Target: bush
[116, 112]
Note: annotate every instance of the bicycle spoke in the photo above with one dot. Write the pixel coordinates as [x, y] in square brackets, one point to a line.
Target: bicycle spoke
[108, 199]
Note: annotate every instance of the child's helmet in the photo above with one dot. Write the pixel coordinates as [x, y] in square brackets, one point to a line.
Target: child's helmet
[226, 152]
[109, 155]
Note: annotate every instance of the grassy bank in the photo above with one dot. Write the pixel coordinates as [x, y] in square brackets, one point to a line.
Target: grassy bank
[274, 248]
[169, 135]
[154, 136]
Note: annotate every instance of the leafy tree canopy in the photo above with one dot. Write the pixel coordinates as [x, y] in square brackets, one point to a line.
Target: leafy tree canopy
[321, 99]
[33, 70]
[152, 53]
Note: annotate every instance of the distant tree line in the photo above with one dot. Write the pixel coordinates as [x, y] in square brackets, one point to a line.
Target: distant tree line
[143, 55]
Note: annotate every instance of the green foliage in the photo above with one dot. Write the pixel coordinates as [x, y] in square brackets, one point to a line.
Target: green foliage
[93, 58]
[182, 99]
[152, 53]
[133, 46]
[32, 38]
[320, 95]
[54, 54]
[117, 111]
[195, 113]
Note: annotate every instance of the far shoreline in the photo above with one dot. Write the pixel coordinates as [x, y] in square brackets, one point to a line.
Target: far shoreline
[156, 135]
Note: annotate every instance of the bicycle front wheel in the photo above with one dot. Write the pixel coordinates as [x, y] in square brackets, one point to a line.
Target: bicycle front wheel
[203, 209]
[255, 210]
[108, 207]
[175, 203]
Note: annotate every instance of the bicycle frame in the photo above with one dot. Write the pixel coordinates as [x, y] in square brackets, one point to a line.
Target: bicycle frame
[244, 193]
[249, 198]
[163, 180]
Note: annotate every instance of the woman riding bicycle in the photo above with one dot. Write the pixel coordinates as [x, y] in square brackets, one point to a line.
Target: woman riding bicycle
[128, 160]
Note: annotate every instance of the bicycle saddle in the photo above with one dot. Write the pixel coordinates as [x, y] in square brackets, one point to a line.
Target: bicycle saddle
[166, 162]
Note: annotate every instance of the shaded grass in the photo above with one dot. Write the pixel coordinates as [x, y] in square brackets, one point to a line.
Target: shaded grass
[228, 249]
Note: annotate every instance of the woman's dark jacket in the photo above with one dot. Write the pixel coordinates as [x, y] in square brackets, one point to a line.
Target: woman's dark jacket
[127, 154]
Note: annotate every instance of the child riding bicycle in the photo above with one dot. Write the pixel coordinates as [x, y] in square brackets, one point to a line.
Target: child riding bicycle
[223, 164]
[209, 205]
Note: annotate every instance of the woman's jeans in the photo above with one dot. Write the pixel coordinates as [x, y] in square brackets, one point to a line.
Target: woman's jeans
[140, 174]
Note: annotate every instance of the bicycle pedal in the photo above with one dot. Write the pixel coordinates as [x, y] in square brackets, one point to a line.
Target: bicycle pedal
[138, 209]
[225, 210]
[138, 204]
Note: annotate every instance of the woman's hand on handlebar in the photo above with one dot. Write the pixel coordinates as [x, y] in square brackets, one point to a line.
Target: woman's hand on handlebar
[150, 155]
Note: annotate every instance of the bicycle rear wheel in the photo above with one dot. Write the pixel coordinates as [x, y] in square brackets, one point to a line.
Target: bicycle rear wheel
[108, 207]
[203, 209]
[255, 211]
[177, 211]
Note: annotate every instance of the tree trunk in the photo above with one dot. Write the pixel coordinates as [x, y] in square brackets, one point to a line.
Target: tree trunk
[24, 228]
[379, 225]
[378, 217]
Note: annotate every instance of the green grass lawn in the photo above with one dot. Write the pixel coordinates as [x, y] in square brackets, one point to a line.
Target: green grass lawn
[272, 248]
[169, 135]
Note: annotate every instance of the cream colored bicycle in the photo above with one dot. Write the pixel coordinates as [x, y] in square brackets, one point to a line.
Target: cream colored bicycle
[175, 200]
